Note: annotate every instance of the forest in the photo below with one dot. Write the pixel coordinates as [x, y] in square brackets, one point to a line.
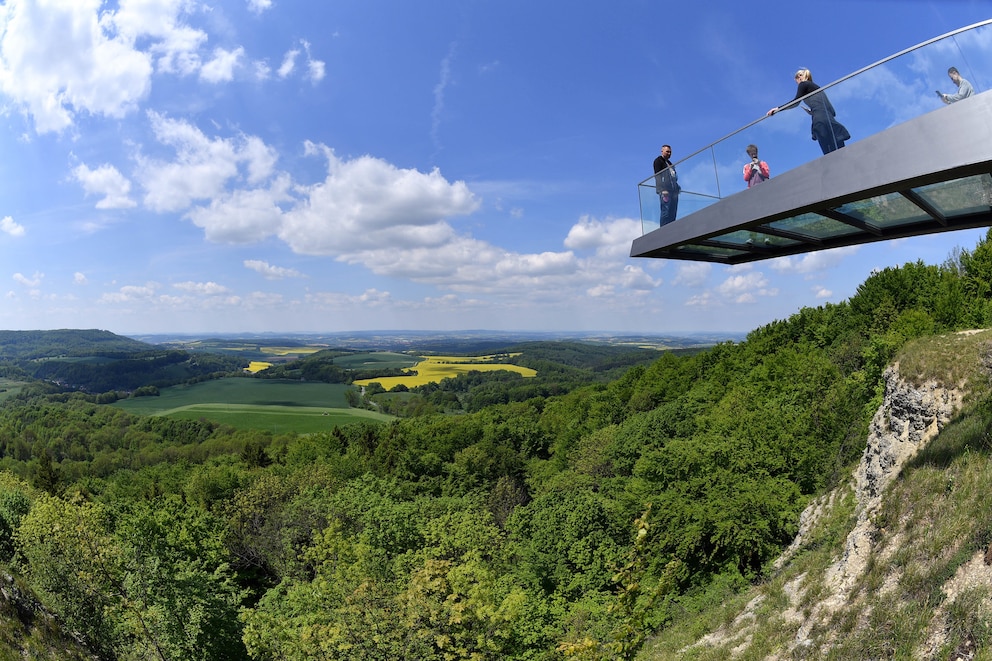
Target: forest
[538, 525]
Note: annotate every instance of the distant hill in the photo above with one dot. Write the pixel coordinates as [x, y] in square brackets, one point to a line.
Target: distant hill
[462, 342]
[99, 361]
[32, 345]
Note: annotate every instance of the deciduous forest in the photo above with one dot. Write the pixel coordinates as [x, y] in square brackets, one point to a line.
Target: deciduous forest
[523, 521]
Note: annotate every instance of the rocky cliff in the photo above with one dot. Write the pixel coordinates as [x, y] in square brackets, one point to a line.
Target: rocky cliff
[815, 607]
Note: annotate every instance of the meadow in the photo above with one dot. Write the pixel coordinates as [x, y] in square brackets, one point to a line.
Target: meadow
[277, 419]
[9, 388]
[432, 369]
[255, 404]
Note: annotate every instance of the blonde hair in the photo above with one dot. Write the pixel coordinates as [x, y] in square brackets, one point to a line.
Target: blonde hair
[804, 74]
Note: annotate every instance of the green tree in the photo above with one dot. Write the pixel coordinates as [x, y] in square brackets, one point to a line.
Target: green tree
[69, 555]
[47, 477]
[177, 594]
[345, 612]
[148, 581]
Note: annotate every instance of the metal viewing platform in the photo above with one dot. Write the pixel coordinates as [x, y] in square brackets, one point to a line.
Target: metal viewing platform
[928, 173]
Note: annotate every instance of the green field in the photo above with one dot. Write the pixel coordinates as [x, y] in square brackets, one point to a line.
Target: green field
[9, 388]
[255, 404]
[277, 419]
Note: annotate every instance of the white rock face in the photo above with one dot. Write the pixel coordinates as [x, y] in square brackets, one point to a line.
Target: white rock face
[909, 418]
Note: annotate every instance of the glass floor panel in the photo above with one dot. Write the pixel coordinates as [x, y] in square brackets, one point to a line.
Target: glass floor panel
[885, 211]
[814, 225]
[695, 249]
[959, 197]
[754, 238]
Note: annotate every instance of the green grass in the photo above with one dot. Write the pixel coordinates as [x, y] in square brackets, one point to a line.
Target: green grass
[257, 392]
[9, 388]
[954, 359]
[245, 403]
[277, 419]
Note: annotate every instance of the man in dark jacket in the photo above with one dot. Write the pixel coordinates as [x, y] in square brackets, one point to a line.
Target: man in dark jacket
[666, 184]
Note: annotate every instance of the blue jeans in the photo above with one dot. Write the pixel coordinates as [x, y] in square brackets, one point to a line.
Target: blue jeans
[669, 209]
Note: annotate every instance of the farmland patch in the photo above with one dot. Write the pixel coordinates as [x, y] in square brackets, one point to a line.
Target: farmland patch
[246, 390]
[432, 369]
[277, 419]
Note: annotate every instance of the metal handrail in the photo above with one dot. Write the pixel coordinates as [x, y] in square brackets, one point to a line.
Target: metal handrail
[952, 33]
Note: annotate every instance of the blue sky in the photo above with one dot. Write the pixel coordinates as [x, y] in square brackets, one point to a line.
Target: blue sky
[287, 166]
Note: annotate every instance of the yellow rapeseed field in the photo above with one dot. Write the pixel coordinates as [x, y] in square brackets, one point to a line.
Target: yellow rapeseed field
[292, 351]
[434, 368]
[258, 366]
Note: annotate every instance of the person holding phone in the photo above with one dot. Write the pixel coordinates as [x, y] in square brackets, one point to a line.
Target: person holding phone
[757, 170]
[964, 87]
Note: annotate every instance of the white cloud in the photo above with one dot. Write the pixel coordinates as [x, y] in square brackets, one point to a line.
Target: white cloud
[258, 6]
[439, 89]
[262, 300]
[8, 226]
[693, 274]
[741, 287]
[221, 68]
[79, 278]
[202, 288]
[288, 63]
[131, 293]
[269, 271]
[634, 277]
[174, 45]
[601, 291]
[369, 213]
[612, 236]
[812, 262]
[546, 263]
[202, 166]
[107, 182]
[703, 300]
[822, 292]
[370, 298]
[260, 159]
[262, 70]
[367, 203]
[243, 216]
[33, 282]
[316, 70]
[61, 58]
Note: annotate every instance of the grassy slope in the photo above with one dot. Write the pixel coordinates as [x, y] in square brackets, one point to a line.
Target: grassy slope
[302, 407]
[259, 392]
[10, 387]
[300, 419]
[927, 590]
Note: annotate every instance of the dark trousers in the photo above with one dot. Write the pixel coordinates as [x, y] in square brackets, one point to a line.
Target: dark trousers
[668, 209]
[830, 133]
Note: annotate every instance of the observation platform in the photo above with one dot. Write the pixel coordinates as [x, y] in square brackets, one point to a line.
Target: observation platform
[912, 176]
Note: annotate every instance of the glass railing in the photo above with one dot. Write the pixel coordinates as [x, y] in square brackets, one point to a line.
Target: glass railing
[877, 97]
